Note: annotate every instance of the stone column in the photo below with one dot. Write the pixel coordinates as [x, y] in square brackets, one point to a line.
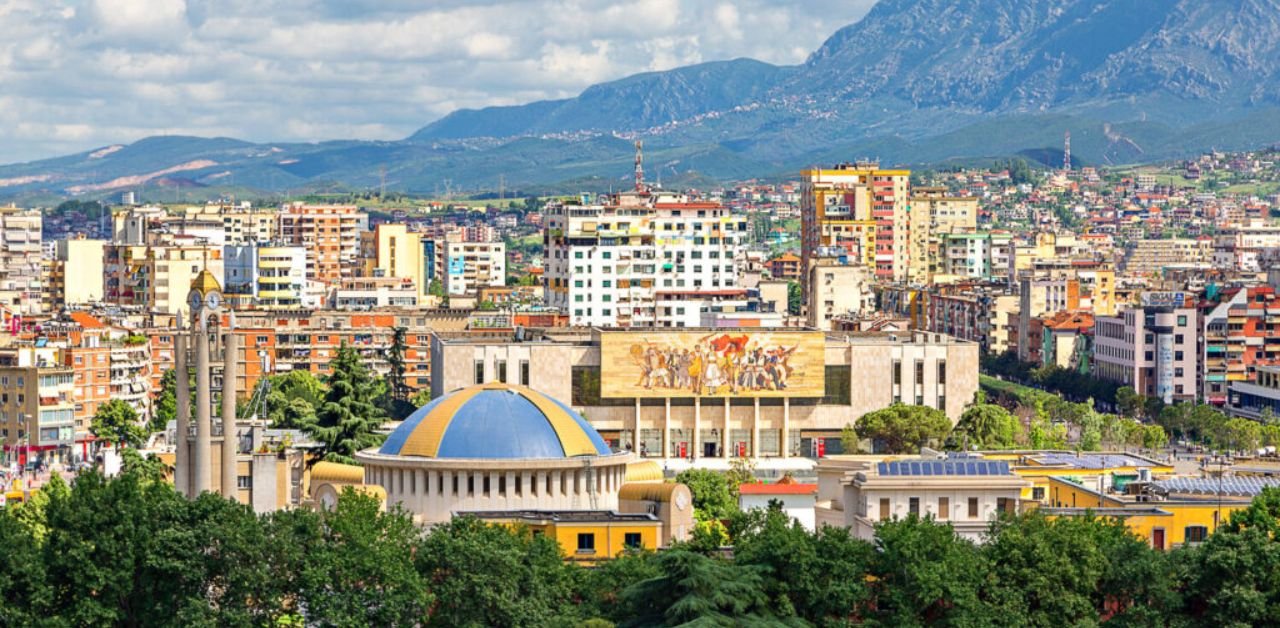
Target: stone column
[204, 427]
[666, 428]
[725, 440]
[182, 398]
[230, 362]
[785, 446]
[755, 429]
[695, 447]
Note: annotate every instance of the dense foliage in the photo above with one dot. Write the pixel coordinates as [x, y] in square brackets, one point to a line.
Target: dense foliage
[130, 551]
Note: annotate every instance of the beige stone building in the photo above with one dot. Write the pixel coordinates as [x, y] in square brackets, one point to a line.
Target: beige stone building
[860, 373]
[836, 289]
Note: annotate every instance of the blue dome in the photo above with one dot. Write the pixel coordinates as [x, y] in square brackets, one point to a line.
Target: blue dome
[495, 421]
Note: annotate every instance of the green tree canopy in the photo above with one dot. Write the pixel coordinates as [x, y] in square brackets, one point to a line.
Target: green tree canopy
[902, 428]
[348, 420]
[713, 496]
[117, 422]
[986, 426]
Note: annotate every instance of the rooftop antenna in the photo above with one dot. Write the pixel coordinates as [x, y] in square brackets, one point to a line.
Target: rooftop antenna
[1066, 152]
[640, 167]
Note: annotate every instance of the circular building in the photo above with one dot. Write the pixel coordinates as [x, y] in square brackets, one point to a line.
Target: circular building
[495, 447]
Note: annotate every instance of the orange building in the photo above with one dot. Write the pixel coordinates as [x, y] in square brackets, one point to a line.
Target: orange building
[329, 233]
[91, 373]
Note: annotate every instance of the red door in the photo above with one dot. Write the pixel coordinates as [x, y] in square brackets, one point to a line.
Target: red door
[1157, 539]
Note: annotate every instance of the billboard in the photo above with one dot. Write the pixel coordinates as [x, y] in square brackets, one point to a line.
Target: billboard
[720, 363]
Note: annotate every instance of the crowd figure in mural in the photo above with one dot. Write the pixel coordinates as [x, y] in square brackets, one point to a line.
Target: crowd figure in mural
[714, 365]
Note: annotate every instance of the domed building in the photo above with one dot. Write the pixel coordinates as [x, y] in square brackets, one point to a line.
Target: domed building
[497, 448]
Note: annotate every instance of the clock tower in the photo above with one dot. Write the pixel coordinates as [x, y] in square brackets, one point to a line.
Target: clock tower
[203, 302]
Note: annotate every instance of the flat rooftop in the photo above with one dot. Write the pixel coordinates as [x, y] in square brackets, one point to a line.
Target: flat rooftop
[565, 516]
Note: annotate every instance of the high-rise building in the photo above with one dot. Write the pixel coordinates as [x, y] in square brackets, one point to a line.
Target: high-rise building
[1239, 338]
[154, 276]
[470, 266]
[845, 207]
[607, 262]
[391, 251]
[265, 276]
[329, 233]
[37, 404]
[21, 269]
[1152, 349]
[76, 274]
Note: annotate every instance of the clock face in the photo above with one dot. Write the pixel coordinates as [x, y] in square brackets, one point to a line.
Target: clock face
[213, 300]
[194, 300]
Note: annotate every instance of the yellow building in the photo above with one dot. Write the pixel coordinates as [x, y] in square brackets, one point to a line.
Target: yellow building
[76, 276]
[588, 536]
[391, 251]
[852, 204]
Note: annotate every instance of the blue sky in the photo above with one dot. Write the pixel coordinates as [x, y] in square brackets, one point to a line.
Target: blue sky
[76, 75]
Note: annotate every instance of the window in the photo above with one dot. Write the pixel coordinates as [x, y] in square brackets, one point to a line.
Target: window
[586, 543]
[973, 507]
[479, 371]
[1037, 493]
[942, 372]
[919, 374]
[913, 506]
[524, 372]
[1195, 534]
[632, 540]
[884, 508]
[244, 481]
[1182, 321]
[897, 372]
[944, 508]
[502, 371]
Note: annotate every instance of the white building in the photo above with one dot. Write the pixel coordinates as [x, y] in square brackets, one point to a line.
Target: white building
[266, 276]
[469, 266]
[963, 492]
[606, 262]
[20, 264]
[797, 500]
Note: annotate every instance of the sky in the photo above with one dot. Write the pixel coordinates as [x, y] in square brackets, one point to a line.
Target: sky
[82, 74]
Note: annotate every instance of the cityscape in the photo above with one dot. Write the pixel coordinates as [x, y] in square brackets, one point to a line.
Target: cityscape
[909, 378]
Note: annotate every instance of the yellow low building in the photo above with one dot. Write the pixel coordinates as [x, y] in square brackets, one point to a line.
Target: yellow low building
[1166, 522]
[1100, 471]
[586, 537]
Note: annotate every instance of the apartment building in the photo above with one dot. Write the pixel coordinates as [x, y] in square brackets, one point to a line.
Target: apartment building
[845, 206]
[37, 405]
[76, 276]
[265, 276]
[157, 277]
[366, 293]
[1150, 256]
[21, 270]
[973, 255]
[838, 290]
[933, 213]
[391, 251]
[1241, 335]
[1243, 248]
[470, 266]
[1151, 348]
[90, 365]
[1038, 297]
[329, 233]
[606, 261]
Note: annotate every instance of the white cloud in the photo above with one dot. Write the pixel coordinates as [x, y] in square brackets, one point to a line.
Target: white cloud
[80, 74]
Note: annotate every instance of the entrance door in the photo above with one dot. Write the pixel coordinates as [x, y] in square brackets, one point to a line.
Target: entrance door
[709, 450]
[1157, 539]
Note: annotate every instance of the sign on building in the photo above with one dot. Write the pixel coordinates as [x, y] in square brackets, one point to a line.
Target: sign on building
[712, 364]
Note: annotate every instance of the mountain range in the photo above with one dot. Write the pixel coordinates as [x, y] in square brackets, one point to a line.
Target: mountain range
[914, 82]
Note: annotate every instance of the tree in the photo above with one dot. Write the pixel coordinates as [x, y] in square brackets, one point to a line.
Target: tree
[820, 577]
[795, 298]
[1129, 402]
[117, 422]
[902, 428]
[1044, 433]
[349, 417]
[850, 443]
[986, 426]
[713, 496]
[166, 406]
[292, 399]
[925, 575]
[1242, 435]
[421, 398]
[397, 406]
[1153, 437]
[697, 588]
[436, 288]
[493, 575]
[355, 570]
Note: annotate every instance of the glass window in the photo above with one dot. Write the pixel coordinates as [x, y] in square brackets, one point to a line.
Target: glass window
[524, 372]
[913, 506]
[973, 507]
[586, 543]
[1195, 534]
[632, 540]
[479, 371]
[944, 508]
[502, 371]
